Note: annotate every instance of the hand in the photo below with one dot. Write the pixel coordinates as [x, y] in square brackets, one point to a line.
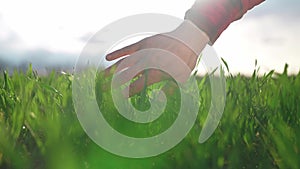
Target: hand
[178, 42]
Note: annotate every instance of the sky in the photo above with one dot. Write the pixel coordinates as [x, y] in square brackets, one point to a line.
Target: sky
[53, 32]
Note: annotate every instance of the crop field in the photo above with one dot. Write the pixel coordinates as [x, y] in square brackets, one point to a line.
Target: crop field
[260, 127]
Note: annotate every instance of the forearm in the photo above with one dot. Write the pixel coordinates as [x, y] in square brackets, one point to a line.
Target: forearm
[214, 16]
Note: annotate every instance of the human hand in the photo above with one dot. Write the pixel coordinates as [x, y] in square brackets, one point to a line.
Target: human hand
[186, 42]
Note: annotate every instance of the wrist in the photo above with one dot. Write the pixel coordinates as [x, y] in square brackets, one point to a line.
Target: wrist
[189, 34]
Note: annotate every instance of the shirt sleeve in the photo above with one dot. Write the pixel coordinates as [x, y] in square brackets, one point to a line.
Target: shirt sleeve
[214, 16]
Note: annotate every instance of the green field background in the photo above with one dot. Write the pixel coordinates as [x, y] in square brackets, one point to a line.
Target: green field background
[260, 127]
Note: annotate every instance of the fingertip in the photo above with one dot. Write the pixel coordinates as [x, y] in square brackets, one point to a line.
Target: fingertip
[122, 52]
[110, 56]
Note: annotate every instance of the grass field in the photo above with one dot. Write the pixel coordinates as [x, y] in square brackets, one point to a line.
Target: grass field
[260, 127]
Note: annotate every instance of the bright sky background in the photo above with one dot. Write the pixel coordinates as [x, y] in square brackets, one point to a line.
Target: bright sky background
[55, 31]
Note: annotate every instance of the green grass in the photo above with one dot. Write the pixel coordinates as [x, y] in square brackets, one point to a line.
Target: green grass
[260, 127]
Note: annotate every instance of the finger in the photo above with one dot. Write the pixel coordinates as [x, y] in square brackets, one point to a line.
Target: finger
[107, 75]
[170, 87]
[146, 79]
[123, 52]
[121, 65]
[127, 75]
[113, 68]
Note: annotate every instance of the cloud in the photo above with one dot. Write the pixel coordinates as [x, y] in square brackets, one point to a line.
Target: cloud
[14, 55]
[287, 10]
[41, 60]
[272, 40]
